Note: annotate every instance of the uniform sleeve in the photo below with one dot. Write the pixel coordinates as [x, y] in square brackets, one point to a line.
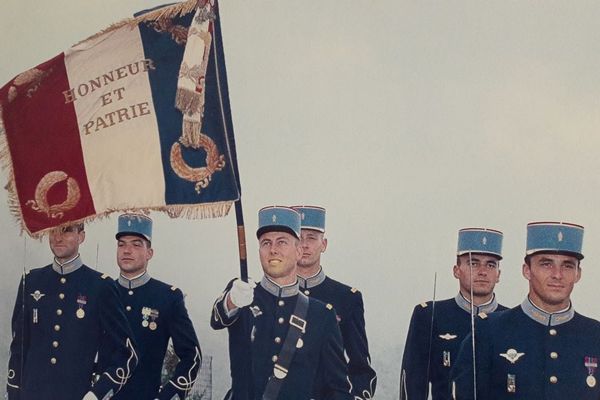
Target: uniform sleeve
[361, 374]
[414, 377]
[332, 365]
[220, 318]
[118, 344]
[461, 374]
[187, 349]
[18, 347]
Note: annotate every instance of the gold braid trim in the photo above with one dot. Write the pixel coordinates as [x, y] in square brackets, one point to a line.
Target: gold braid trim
[165, 12]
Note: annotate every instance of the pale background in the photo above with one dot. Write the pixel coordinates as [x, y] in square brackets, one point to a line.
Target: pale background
[407, 120]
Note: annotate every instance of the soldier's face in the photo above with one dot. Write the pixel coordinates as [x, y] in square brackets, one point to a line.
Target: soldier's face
[65, 242]
[312, 243]
[485, 270]
[133, 254]
[551, 280]
[279, 252]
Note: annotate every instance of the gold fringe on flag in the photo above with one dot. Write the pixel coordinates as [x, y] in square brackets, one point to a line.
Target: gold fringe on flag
[172, 11]
[6, 164]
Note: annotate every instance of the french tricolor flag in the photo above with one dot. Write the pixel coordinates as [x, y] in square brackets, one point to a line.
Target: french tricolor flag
[136, 117]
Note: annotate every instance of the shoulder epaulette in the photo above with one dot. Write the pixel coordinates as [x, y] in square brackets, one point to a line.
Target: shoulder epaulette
[329, 306]
[173, 288]
[104, 276]
[424, 305]
[482, 315]
[354, 290]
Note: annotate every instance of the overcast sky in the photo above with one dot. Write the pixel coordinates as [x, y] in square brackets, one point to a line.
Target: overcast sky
[406, 120]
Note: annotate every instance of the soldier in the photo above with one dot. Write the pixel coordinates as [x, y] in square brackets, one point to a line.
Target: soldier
[156, 312]
[282, 344]
[346, 300]
[67, 316]
[541, 349]
[438, 328]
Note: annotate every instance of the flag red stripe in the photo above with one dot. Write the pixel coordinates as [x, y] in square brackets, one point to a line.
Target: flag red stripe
[43, 135]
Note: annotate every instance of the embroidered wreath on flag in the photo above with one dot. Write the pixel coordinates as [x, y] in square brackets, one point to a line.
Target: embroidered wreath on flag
[201, 175]
[40, 204]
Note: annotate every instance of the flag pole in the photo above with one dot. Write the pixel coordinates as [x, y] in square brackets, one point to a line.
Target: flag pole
[227, 123]
[241, 231]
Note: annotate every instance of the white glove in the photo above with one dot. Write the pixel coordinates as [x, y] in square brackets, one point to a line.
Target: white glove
[242, 293]
[90, 396]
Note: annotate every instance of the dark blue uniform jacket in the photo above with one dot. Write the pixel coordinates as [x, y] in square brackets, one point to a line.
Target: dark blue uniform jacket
[157, 312]
[348, 304]
[66, 317]
[430, 352]
[526, 353]
[256, 335]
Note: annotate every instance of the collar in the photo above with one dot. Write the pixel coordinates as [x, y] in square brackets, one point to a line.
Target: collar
[546, 318]
[312, 281]
[465, 304]
[279, 291]
[134, 283]
[66, 268]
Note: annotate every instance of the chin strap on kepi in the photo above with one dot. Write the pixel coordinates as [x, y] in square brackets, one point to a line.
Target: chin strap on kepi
[293, 341]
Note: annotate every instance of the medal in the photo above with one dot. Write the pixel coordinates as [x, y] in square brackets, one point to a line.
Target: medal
[145, 314]
[153, 316]
[35, 315]
[591, 381]
[446, 359]
[591, 363]
[81, 301]
[511, 383]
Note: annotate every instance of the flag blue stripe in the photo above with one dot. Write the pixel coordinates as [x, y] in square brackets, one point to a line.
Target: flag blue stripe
[167, 55]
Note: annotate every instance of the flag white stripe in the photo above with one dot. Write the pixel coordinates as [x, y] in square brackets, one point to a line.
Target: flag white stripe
[115, 113]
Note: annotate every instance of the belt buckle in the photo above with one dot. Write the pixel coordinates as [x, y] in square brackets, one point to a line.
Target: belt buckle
[298, 323]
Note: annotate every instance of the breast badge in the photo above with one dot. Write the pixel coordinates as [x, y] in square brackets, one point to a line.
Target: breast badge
[447, 336]
[512, 355]
[255, 311]
[37, 295]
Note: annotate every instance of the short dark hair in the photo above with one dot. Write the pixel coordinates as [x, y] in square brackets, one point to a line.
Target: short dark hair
[79, 227]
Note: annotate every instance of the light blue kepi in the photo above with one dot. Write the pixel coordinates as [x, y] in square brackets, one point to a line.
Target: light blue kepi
[554, 237]
[481, 241]
[136, 225]
[312, 217]
[278, 219]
